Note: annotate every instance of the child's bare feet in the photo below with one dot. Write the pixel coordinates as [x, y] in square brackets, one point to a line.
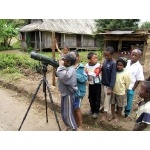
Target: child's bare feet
[116, 119]
[104, 117]
[79, 129]
[111, 117]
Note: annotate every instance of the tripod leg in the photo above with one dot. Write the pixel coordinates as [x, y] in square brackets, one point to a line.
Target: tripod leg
[30, 104]
[51, 100]
[44, 90]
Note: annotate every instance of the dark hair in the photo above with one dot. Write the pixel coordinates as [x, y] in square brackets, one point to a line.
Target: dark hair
[75, 52]
[90, 55]
[147, 84]
[70, 57]
[67, 48]
[123, 61]
[110, 49]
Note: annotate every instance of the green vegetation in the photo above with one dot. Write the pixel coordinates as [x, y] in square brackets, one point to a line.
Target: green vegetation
[145, 26]
[11, 65]
[9, 29]
[116, 24]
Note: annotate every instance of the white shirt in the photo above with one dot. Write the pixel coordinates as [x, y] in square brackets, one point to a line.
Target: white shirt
[136, 72]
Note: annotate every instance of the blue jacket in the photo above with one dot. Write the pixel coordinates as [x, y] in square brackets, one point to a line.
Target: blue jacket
[81, 81]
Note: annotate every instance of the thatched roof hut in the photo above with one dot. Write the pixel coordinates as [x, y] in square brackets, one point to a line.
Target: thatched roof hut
[77, 26]
[70, 31]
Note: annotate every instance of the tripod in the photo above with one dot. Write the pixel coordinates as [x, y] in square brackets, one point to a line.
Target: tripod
[45, 84]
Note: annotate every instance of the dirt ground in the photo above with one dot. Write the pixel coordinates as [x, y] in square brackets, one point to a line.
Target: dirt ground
[13, 108]
[28, 84]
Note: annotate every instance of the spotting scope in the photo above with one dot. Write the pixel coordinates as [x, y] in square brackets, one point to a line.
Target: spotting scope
[44, 59]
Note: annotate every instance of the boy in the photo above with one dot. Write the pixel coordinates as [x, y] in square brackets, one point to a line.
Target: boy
[67, 84]
[136, 72]
[81, 84]
[143, 113]
[108, 79]
[93, 70]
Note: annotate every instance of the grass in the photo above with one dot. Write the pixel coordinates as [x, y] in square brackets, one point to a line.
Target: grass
[11, 64]
[83, 55]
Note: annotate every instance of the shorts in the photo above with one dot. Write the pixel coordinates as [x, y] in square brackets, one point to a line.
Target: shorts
[77, 103]
[120, 100]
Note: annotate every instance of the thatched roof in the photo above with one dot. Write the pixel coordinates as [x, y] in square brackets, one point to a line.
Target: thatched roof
[76, 26]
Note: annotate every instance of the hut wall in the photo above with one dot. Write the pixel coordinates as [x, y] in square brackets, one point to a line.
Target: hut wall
[70, 40]
[88, 41]
[47, 39]
[147, 54]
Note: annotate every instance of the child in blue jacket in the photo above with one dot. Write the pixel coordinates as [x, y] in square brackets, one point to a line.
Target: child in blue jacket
[81, 84]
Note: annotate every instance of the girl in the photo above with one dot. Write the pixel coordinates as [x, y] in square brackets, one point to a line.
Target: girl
[64, 51]
[143, 113]
[118, 98]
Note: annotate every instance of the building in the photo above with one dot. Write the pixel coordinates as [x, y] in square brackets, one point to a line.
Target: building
[124, 42]
[74, 33]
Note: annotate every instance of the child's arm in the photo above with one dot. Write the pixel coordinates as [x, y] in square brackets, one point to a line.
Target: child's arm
[135, 85]
[127, 79]
[63, 73]
[82, 77]
[113, 76]
[97, 71]
[58, 48]
[140, 127]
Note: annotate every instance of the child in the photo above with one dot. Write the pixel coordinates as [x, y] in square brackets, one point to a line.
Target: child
[119, 91]
[93, 69]
[67, 84]
[108, 79]
[81, 84]
[143, 113]
[136, 71]
[62, 52]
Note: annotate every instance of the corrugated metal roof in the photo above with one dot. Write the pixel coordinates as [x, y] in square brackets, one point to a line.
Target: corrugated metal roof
[117, 32]
[77, 26]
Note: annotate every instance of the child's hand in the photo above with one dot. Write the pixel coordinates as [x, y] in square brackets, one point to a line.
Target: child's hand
[61, 62]
[92, 74]
[109, 91]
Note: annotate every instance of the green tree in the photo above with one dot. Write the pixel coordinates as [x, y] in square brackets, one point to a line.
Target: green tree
[9, 28]
[116, 24]
[145, 26]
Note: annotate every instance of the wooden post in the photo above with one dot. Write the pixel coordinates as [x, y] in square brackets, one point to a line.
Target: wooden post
[82, 40]
[64, 40]
[53, 56]
[40, 40]
[35, 46]
[119, 46]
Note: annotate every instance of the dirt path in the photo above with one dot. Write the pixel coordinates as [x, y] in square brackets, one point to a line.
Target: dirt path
[13, 109]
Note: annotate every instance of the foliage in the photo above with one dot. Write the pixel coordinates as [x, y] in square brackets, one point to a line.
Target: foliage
[145, 26]
[16, 45]
[116, 24]
[8, 61]
[9, 29]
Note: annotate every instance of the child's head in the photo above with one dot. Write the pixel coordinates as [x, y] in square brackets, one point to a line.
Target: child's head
[135, 55]
[69, 59]
[121, 63]
[66, 50]
[108, 53]
[92, 58]
[76, 55]
[145, 89]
